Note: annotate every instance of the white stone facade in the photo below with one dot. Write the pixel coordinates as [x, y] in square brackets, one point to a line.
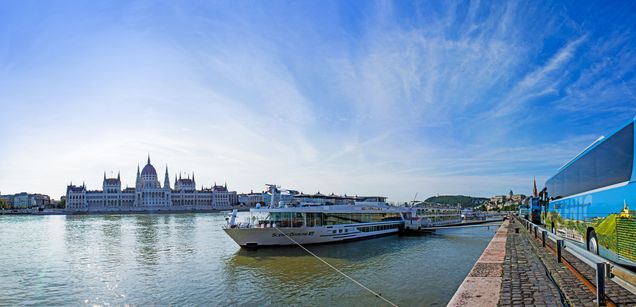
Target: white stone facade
[149, 195]
[250, 199]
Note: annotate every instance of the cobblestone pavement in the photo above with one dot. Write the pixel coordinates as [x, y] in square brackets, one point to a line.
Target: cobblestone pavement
[575, 292]
[619, 295]
[525, 281]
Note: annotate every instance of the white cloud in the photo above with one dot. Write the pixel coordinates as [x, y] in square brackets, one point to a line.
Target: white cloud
[243, 99]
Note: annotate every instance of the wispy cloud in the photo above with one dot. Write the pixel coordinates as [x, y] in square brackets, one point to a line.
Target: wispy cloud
[375, 97]
[541, 81]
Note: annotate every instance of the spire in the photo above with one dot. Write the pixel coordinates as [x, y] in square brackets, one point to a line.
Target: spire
[534, 188]
[104, 175]
[166, 181]
[138, 180]
[225, 185]
[148, 158]
[193, 176]
[118, 177]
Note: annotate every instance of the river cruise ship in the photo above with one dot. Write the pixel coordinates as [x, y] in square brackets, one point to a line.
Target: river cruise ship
[314, 219]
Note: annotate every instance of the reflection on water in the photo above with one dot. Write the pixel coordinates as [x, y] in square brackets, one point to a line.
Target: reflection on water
[147, 239]
[187, 259]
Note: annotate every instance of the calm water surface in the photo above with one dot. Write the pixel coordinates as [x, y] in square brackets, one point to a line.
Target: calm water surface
[186, 259]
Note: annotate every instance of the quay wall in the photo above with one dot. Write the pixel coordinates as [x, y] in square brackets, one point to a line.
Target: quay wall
[482, 285]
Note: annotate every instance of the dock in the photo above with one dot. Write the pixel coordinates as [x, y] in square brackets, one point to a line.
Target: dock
[516, 269]
[463, 224]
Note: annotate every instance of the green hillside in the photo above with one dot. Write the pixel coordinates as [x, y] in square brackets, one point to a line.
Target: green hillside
[465, 201]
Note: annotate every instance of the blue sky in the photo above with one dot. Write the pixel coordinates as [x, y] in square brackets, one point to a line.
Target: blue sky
[357, 97]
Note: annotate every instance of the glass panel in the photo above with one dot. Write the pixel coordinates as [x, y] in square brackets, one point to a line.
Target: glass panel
[608, 163]
[297, 219]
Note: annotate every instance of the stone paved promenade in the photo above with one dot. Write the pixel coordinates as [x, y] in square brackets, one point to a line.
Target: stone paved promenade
[525, 281]
[516, 270]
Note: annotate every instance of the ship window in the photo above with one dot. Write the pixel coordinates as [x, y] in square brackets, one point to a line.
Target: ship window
[298, 219]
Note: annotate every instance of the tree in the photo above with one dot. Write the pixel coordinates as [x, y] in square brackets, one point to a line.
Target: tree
[62, 204]
[4, 204]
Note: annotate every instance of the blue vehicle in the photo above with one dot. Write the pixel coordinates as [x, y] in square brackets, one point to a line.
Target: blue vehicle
[590, 196]
[534, 210]
[524, 211]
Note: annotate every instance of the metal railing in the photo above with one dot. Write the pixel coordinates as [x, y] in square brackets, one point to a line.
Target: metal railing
[603, 267]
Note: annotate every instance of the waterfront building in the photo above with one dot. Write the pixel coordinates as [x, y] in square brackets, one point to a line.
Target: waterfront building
[149, 195]
[27, 200]
[250, 199]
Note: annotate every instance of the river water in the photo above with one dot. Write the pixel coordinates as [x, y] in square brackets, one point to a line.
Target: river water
[186, 259]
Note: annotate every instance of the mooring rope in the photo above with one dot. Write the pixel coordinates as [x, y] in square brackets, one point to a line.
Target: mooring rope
[335, 269]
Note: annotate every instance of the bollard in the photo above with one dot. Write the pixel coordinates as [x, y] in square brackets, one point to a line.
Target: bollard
[600, 284]
[543, 237]
[516, 230]
[559, 248]
[535, 231]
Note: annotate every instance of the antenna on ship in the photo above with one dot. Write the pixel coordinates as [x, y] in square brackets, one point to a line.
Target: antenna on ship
[414, 199]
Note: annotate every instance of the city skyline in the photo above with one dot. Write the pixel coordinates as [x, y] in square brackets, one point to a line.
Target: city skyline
[388, 98]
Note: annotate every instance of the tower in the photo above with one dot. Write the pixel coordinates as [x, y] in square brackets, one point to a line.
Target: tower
[534, 188]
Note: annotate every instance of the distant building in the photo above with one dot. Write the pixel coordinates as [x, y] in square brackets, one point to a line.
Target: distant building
[517, 198]
[250, 199]
[25, 200]
[498, 199]
[149, 195]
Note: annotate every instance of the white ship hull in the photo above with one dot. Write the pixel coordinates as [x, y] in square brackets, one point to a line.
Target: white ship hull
[255, 237]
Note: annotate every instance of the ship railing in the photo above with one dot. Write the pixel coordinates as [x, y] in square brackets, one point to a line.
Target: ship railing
[604, 268]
